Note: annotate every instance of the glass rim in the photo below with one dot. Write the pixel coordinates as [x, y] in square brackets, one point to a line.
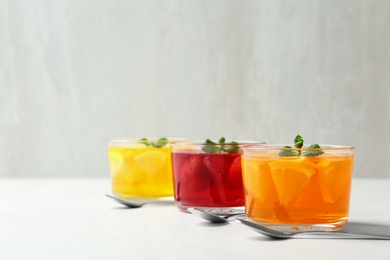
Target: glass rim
[279, 147]
[238, 142]
[135, 140]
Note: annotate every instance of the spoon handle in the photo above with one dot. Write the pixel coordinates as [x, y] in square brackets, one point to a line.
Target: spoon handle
[338, 234]
[236, 215]
[310, 234]
[124, 202]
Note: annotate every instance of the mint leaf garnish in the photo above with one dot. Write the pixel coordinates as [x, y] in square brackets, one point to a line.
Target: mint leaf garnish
[231, 147]
[160, 142]
[221, 140]
[208, 141]
[314, 152]
[212, 147]
[144, 141]
[286, 153]
[298, 143]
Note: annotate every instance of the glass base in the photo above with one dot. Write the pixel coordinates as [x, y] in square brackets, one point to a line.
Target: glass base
[140, 196]
[290, 228]
[215, 210]
[145, 199]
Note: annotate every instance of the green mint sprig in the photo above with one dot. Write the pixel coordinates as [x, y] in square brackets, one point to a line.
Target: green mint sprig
[160, 142]
[288, 153]
[298, 143]
[313, 153]
[213, 147]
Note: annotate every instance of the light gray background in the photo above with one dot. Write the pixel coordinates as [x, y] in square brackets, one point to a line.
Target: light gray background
[76, 73]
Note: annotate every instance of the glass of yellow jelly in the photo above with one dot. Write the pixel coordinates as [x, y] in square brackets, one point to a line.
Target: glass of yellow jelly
[141, 168]
[309, 190]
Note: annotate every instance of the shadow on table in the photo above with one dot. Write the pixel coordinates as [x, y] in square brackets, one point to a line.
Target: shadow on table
[205, 223]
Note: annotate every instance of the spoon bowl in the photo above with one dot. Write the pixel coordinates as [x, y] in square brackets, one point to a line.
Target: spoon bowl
[136, 204]
[214, 218]
[272, 233]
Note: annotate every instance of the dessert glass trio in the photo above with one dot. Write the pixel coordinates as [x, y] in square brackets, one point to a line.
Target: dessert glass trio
[284, 186]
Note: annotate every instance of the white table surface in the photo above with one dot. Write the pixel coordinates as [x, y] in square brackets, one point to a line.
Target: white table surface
[71, 219]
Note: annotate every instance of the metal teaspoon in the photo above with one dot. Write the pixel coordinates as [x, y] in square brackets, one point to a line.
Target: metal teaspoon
[133, 204]
[308, 234]
[214, 218]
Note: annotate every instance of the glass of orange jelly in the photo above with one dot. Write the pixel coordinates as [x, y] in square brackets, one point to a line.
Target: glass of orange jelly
[309, 190]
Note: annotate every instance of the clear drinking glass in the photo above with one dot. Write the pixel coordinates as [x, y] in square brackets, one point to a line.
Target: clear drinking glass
[141, 168]
[302, 189]
[209, 178]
